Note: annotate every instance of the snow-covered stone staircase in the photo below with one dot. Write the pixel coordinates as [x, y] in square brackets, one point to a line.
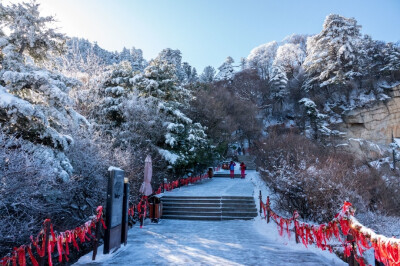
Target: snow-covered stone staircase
[208, 208]
[226, 175]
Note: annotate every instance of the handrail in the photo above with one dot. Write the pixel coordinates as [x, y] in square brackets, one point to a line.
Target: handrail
[387, 250]
[47, 239]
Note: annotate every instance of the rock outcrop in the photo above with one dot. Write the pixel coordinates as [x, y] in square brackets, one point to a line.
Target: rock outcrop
[375, 123]
[369, 129]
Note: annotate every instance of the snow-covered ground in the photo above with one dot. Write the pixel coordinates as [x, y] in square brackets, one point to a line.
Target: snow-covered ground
[235, 242]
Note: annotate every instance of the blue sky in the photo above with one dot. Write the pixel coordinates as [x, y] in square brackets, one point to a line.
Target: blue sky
[207, 31]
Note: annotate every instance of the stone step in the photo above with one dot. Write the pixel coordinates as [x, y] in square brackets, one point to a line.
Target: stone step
[208, 197]
[208, 208]
[215, 213]
[201, 205]
[221, 201]
[190, 197]
[191, 209]
[178, 201]
[206, 218]
[205, 204]
[195, 205]
[227, 175]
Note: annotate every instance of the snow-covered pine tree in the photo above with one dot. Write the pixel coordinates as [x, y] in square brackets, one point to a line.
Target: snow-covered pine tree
[138, 62]
[262, 58]
[113, 93]
[160, 80]
[391, 57]
[243, 63]
[208, 74]
[187, 69]
[34, 102]
[316, 119]
[184, 140]
[289, 57]
[226, 71]
[332, 56]
[278, 84]
[194, 77]
[174, 58]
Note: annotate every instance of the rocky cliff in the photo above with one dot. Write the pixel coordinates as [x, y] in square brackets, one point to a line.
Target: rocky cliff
[369, 129]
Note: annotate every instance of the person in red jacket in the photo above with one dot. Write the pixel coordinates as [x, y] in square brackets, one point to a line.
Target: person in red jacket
[242, 169]
[232, 169]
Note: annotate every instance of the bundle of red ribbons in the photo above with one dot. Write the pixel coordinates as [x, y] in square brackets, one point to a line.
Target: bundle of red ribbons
[61, 240]
[182, 181]
[387, 250]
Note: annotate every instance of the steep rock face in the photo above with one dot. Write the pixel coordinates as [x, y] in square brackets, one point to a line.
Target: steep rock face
[375, 123]
[369, 129]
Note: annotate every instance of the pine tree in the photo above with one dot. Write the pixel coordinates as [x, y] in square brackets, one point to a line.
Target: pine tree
[391, 57]
[332, 56]
[194, 77]
[187, 69]
[208, 74]
[184, 139]
[34, 102]
[278, 84]
[243, 63]
[316, 119]
[371, 57]
[113, 92]
[262, 58]
[226, 71]
[289, 57]
[138, 62]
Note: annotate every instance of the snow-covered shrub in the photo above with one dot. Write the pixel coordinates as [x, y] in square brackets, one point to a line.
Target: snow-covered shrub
[30, 192]
[315, 180]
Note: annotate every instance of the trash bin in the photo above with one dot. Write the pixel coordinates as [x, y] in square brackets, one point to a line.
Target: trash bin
[210, 172]
[155, 210]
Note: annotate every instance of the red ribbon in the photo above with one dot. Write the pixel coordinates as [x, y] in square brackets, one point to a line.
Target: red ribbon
[33, 260]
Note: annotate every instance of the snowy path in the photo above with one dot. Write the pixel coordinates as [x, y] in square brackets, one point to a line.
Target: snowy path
[235, 242]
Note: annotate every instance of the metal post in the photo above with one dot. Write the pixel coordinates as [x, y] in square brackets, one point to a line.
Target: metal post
[96, 240]
[350, 259]
[260, 197]
[394, 153]
[378, 263]
[294, 222]
[46, 236]
[125, 207]
[268, 214]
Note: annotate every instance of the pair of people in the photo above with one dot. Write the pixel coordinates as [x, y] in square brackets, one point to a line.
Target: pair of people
[232, 169]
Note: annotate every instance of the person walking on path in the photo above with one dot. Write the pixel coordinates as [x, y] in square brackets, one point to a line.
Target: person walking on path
[242, 169]
[232, 169]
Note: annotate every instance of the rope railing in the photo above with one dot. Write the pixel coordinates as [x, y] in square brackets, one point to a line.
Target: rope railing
[47, 239]
[359, 238]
